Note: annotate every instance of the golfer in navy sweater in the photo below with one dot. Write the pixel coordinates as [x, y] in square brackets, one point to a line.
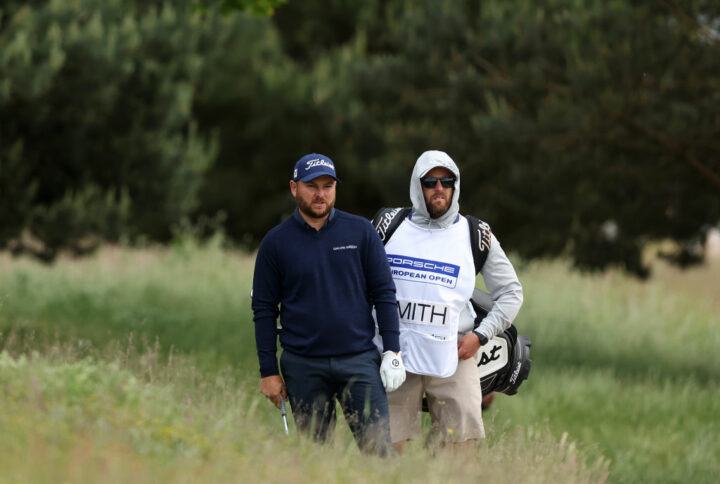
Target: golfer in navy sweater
[327, 269]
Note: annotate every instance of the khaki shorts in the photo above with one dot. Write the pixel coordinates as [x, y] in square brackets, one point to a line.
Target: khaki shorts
[455, 405]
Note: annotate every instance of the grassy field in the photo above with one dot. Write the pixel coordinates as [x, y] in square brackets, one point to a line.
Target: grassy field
[140, 365]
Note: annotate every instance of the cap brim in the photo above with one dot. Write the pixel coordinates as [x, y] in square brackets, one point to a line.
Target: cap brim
[312, 176]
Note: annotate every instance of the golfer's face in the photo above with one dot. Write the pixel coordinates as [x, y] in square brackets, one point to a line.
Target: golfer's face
[437, 198]
[315, 198]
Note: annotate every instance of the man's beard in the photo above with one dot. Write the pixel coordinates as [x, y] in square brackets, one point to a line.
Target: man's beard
[307, 209]
[436, 212]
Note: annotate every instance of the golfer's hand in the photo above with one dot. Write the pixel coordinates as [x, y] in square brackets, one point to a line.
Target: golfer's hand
[468, 346]
[392, 370]
[273, 387]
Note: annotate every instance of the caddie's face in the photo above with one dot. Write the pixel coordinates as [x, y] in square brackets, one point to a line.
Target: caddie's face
[437, 198]
[315, 198]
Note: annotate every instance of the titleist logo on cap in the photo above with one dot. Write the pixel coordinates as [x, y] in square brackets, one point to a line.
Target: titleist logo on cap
[318, 162]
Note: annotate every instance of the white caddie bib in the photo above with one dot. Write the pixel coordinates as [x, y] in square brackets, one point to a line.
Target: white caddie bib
[434, 275]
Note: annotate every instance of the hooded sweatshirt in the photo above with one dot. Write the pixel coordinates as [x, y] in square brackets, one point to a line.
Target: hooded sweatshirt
[432, 266]
[420, 215]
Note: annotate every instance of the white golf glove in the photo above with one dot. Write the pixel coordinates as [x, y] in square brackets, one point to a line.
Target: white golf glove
[392, 370]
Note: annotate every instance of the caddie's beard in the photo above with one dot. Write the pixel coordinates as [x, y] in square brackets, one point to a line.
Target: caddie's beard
[435, 211]
[308, 210]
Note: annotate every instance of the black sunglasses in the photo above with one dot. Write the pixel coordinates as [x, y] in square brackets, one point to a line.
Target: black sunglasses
[431, 181]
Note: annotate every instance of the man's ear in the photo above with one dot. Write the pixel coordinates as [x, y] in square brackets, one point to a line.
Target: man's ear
[293, 188]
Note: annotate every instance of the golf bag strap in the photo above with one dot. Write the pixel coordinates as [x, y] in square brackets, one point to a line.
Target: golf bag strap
[387, 220]
[479, 241]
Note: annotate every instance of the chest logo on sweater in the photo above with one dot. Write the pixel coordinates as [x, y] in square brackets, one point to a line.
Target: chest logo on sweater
[416, 312]
[427, 271]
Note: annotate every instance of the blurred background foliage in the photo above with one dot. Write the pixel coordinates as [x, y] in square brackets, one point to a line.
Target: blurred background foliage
[582, 128]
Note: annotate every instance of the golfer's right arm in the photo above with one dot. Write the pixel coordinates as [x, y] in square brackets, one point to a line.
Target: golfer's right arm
[265, 300]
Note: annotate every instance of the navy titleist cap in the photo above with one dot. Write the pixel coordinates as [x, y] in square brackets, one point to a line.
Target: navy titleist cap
[312, 166]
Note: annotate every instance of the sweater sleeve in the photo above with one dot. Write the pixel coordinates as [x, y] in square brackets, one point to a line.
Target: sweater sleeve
[505, 290]
[265, 301]
[381, 289]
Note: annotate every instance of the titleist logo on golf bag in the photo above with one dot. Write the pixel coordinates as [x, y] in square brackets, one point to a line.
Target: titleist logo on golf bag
[385, 222]
[515, 373]
[493, 356]
[483, 236]
[486, 358]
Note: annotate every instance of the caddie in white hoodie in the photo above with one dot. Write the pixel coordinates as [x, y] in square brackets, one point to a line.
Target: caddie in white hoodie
[432, 266]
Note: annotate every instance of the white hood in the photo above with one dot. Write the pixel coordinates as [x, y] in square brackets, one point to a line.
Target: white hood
[426, 162]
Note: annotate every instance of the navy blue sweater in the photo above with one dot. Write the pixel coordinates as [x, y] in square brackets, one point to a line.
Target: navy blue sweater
[326, 283]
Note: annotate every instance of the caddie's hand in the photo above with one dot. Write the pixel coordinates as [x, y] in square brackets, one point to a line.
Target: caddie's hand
[468, 346]
[392, 370]
[273, 387]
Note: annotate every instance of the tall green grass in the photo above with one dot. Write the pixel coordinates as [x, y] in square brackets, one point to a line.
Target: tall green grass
[140, 364]
[67, 418]
[189, 300]
[628, 367]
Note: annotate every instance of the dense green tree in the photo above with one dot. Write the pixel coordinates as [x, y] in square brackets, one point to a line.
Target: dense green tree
[96, 106]
[585, 128]
[262, 109]
[261, 7]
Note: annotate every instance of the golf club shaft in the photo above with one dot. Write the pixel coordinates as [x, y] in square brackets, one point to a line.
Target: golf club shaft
[284, 415]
